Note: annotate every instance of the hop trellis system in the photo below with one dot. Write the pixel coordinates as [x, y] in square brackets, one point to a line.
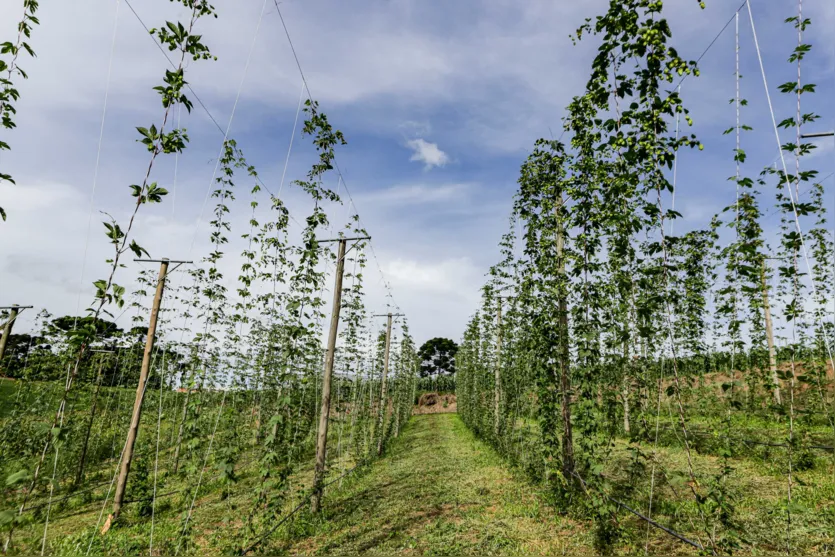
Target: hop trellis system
[153, 436]
[639, 373]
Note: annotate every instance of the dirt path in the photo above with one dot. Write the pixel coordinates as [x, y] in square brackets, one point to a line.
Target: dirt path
[440, 491]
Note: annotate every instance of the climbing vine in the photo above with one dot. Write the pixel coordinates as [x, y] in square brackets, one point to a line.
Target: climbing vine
[233, 376]
[638, 351]
[10, 70]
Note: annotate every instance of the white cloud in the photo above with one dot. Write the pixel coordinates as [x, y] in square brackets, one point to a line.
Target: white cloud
[446, 276]
[393, 71]
[824, 148]
[414, 194]
[43, 196]
[427, 153]
[432, 290]
[415, 128]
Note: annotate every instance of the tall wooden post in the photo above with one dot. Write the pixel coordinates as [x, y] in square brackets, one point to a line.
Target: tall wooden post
[395, 406]
[624, 388]
[383, 403]
[7, 331]
[181, 428]
[769, 335]
[133, 431]
[14, 311]
[383, 409]
[563, 355]
[79, 476]
[414, 377]
[322, 437]
[398, 400]
[497, 387]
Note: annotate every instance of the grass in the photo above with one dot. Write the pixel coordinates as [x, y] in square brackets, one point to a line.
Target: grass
[217, 522]
[439, 491]
[756, 487]
[757, 491]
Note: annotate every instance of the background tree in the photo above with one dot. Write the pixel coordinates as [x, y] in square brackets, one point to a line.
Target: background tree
[437, 357]
[18, 349]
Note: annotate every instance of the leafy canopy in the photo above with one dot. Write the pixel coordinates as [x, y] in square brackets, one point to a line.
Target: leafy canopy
[437, 357]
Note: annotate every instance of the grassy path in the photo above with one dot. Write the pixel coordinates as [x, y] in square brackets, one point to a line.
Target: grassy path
[440, 491]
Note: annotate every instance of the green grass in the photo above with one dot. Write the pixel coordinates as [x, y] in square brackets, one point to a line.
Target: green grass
[757, 490]
[217, 522]
[439, 491]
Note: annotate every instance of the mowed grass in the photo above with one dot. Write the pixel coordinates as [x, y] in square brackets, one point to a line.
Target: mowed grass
[439, 491]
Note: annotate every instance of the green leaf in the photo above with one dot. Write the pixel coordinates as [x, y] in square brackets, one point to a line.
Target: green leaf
[17, 477]
[7, 517]
[137, 249]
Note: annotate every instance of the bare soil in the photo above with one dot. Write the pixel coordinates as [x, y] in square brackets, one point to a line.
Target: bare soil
[434, 403]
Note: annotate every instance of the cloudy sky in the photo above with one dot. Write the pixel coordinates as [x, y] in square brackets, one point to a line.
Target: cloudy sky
[440, 103]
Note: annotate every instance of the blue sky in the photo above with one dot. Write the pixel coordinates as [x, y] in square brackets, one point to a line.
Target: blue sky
[439, 101]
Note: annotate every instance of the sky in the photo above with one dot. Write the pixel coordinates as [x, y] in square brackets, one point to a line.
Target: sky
[440, 103]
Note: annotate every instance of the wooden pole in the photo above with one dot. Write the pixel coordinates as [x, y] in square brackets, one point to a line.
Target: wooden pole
[497, 387]
[563, 353]
[769, 335]
[181, 430]
[79, 476]
[133, 431]
[184, 415]
[383, 406]
[398, 401]
[7, 331]
[395, 405]
[322, 436]
[624, 388]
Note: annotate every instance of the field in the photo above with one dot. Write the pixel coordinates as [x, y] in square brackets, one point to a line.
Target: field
[644, 322]
[438, 489]
[207, 497]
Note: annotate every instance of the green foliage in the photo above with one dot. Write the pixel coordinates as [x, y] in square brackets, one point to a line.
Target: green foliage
[437, 357]
[612, 321]
[10, 71]
[614, 362]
